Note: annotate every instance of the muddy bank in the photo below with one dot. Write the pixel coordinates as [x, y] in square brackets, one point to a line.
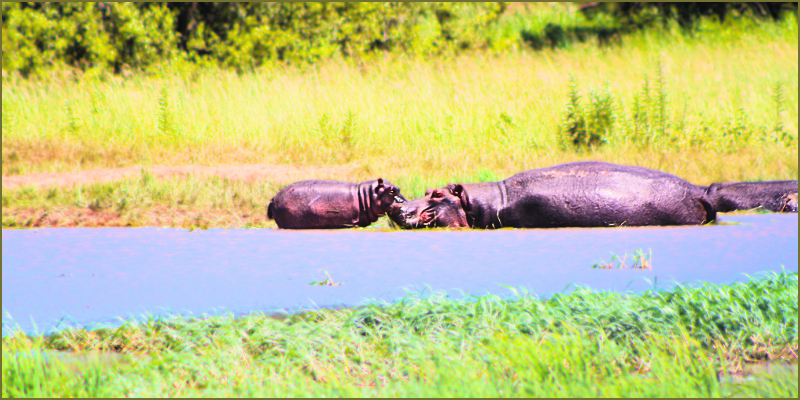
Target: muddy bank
[161, 211]
[162, 216]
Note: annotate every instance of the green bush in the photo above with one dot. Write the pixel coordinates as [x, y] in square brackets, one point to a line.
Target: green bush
[39, 37]
[120, 37]
[587, 129]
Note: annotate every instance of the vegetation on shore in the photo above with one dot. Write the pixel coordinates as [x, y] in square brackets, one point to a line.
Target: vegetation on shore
[725, 95]
[100, 38]
[687, 341]
[719, 104]
[189, 202]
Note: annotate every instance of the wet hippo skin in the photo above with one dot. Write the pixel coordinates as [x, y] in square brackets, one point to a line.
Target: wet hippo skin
[322, 204]
[777, 196]
[579, 194]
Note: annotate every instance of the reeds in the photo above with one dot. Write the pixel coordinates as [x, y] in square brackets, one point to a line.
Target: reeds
[640, 261]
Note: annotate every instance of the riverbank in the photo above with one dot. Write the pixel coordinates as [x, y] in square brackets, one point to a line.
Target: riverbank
[188, 196]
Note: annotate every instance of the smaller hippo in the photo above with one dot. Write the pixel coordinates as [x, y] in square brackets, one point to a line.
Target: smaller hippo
[777, 196]
[320, 204]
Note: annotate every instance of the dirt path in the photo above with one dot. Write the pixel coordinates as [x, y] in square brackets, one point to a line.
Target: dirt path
[248, 173]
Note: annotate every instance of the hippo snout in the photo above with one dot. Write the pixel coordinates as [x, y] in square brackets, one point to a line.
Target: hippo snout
[791, 203]
[397, 213]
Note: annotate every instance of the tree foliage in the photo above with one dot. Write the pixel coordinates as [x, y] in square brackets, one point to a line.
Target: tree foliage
[686, 14]
[120, 36]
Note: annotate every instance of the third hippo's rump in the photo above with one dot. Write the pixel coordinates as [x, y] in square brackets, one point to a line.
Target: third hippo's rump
[321, 204]
[777, 196]
[579, 194]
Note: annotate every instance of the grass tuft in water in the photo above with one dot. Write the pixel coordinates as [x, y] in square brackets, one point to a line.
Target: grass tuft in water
[641, 260]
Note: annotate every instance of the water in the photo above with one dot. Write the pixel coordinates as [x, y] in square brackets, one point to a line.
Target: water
[96, 275]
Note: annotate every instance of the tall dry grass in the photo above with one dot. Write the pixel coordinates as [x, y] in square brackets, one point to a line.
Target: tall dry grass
[430, 121]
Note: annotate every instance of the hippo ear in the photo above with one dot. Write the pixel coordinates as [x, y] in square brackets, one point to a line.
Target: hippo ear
[379, 186]
[458, 190]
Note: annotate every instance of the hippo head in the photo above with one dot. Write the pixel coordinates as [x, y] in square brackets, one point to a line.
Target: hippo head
[443, 207]
[385, 194]
[790, 203]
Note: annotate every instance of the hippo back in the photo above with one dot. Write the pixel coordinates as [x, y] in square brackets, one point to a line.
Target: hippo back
[592, 194]
[316, 204]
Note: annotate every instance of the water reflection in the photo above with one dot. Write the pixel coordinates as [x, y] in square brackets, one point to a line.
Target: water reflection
[95, 275]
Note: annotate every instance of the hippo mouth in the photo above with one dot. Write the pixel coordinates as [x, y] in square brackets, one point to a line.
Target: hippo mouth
[412, 219]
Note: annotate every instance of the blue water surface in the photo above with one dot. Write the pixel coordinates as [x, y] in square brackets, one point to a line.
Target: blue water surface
[94, 275]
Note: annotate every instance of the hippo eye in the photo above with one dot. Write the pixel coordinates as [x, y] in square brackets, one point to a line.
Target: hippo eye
[437, 194]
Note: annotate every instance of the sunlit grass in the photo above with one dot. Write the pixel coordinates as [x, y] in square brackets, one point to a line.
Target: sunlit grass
[410, 116]
[689, 341]
[194, 202]
[418, 122]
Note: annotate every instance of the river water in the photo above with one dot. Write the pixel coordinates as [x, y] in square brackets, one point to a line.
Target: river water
[86, 276]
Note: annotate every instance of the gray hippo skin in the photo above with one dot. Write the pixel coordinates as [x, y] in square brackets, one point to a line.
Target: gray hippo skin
[320, 204]
[777, 196]
[579, 194]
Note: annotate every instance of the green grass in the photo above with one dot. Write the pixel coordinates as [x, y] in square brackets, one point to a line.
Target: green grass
[439, 117]
[198, 202]
[689, 341]
[718, 105]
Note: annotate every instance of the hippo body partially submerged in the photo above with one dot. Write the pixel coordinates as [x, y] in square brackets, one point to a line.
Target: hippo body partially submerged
[579, 194]
[321, 204]
[777, 196]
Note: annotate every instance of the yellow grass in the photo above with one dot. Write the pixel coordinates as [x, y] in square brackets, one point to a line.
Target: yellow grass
[427, 121]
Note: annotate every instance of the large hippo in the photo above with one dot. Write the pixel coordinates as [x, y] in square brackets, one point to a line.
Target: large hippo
[579, 194]
[777, 196]
[320, 204]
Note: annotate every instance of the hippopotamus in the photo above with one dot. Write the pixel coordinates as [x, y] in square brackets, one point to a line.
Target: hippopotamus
[578, 194]
[321, 204]
[777, 196]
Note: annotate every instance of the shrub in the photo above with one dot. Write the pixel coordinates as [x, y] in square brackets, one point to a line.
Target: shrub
[587, 129]
[38, 37]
